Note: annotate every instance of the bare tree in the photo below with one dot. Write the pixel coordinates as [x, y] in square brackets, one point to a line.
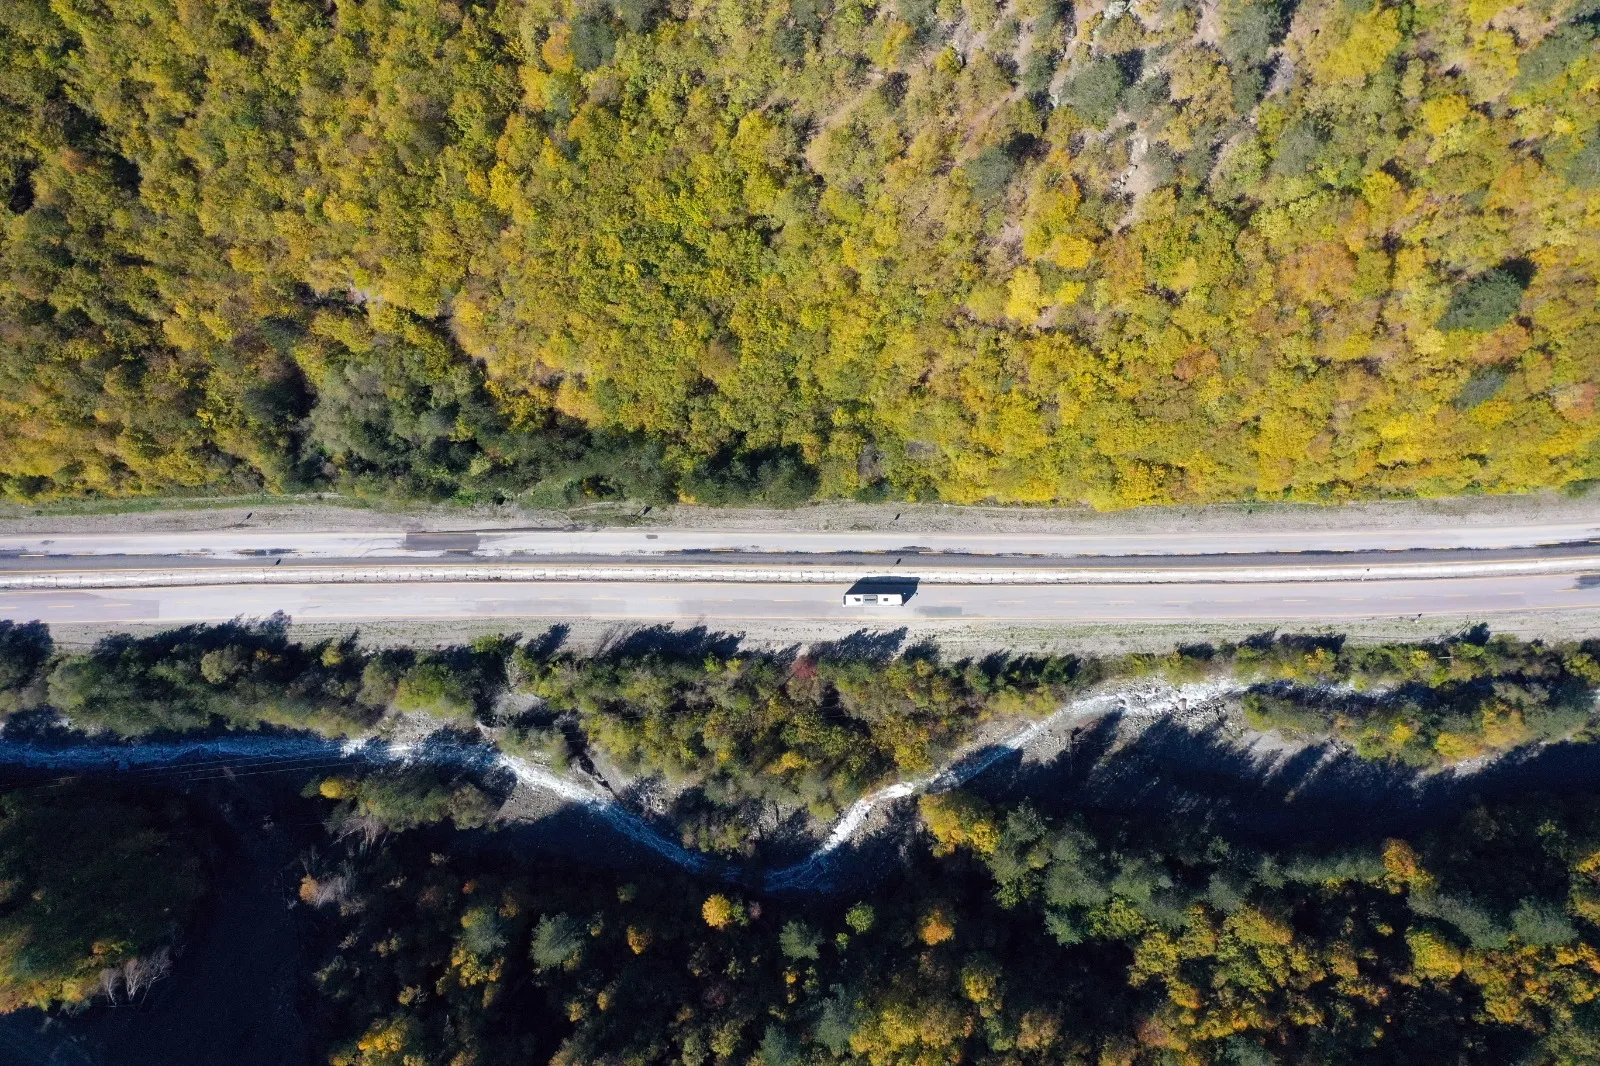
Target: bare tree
[136, 975]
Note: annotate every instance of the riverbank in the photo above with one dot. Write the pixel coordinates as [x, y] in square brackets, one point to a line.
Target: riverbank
[1148, 751]
[1144, 747]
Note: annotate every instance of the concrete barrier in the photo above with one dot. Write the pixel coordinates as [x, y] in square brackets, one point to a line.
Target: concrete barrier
[806, 575]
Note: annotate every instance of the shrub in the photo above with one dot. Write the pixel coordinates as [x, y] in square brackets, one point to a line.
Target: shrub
[380, 678]
[398, 800]
[435, 688]
[1095, 89]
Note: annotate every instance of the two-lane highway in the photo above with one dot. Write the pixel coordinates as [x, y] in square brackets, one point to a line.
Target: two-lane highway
[746, 602]
[695, 575]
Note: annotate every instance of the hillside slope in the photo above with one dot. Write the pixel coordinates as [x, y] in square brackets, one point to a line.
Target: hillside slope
[1118, 253]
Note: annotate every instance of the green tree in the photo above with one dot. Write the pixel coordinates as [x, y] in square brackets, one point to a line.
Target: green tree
[1484, 303]
[93, 889]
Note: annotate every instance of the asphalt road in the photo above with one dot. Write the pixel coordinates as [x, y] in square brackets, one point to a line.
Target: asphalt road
[714, 576]
[921, 559]
[715, 603]
[243, 543]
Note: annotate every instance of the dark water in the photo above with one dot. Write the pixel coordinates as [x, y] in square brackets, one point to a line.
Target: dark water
[237, 993]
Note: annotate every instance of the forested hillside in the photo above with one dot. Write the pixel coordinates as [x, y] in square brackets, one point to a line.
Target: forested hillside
[1005, 936]
[1027, 251]
[1086, 940]
[1232, 914]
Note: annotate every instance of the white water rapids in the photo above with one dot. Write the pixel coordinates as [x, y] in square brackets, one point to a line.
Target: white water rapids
[237, 755]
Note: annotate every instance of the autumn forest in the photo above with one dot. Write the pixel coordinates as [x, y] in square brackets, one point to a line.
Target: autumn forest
[964, 250]
[425, 919]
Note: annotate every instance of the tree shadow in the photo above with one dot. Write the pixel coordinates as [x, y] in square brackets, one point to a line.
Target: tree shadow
[857, 867]
[665, 641]
[864, 645]
[575, 834]
[548, 643]
[268, 634]
[1320, 795]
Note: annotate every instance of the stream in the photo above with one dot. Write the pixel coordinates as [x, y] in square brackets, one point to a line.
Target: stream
[1152, 750]
[245, 754]
[1146, 747]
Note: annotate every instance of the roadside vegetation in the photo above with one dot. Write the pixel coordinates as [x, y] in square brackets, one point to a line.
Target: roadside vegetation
[816, 727]
[251, 675]
[1424, 705]
[811, 732]
[25, 651]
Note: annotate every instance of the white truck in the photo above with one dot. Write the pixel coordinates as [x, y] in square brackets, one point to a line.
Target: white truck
[881, 599]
